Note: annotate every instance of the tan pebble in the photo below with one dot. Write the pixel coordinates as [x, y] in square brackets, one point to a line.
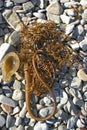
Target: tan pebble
[82, 75]
[6, 108]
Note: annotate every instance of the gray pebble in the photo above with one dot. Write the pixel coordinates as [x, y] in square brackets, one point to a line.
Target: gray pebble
[85, 96]
[1, 32]
[4, 128]
[72, 71]
[16, 110]
[18, 121]
[39, 15]
[1, 20]
[83, 44]
[51, 121]
[13, 128]
[14, 38]
[41, 126]
[69, 29]
[2, 121]
[47, 101]
[63, 97]
[84, 88]
[17, 95]
[21, 103]
[72, 122]
[80, 124]
[23, 111]
[19, 1]
[8, 4]
[70, 12]
[1, 3]
[7, 91]
[7, 101]
[63, 83]
[43, 112]
[53, 17]
[85, 106]
[76, 83]
[62, 127]
[20, 127]
[28, 6]
[4, 49]
[10, 120]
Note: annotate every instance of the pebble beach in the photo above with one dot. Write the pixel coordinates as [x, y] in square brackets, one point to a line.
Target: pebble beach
[70, 87]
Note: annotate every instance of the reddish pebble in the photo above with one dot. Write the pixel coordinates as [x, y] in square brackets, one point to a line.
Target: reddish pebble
[6, 108]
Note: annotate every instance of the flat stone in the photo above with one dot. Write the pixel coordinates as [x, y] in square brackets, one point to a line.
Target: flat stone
[6, 108]
[13, 19]
[62, 127]
[16, 110]
[53, 17]
[76, 83]
[83, 44]
[84, 88]
[14, 38]
[28, 6]
[80, 30]
[84, 15]
[39, 15]
[10, 120]
[17, 95]
[20, 1]
[7, 101]
[2, 121]
[4, 49]
[75, 45]
[41, 126]
[54, 8]
[69, 29]
[51, 121]
[82, 75]
[7, 91]
[23, 111]
[18, 121]
[65, 19]
[72, 122]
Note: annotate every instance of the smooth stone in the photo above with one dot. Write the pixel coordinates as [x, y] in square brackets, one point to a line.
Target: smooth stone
[51, 121]
[16, 110]
[7, 91]
[44, 112]
[63, 83]
[32, 122]
[84, 88]
[54, 8]
[21, 103]
[1, 20]
[63, 97]
[65, 19]
[2, 120]
[43, 4]
[8, 4]
[20, 127]
[6, 108]
[23, 111]
[70, 3]
[17, 7]
[76, 83]
[13, 128]
[72, 71]
[4, 49]
[78, 102]
[18, 121]
[69, 29]
[83, 44]
[7, 101]
[1, 3]
[28, 6]
[26, 121]
[80, 124]
[72, 122]
[41, 126]
[17, 85]
[62, 127]
[47, 101]
[80, 30]
[83, 2]
[39, 15]
[72, 109]
[75, 93]
[70, 12]
[85, 96]
[53, 17]
[82, 75]
[10, 120]
[14, 38]
[17, 95]
[64, 1]
[19, 1]
[80, 38]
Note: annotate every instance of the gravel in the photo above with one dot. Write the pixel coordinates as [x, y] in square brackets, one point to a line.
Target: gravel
[70, 87]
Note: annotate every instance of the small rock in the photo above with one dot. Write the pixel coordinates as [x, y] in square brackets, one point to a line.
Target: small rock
[82, 75]
[4, 49]
[72, 122]
[1, 3]
[54, 8]
[21, 103]
[17, 95]
[65, 19]
[17, 85]
[14, 38]
[28, 6]
[43, 112]
[83, 3]
[10, 121]
[78, 102]
[53, 17]
[2, 121]
[23, 111]
[43, 4]
[83, 44]
[69, 28]
[80, 124]
[64, 1]
[7, 91]
[8, 4]
[80, 30]
[18, 121]
[51, 121]
[6, 108]
[7, 101]
[32, 122]
[70, 3]
[16, 110]
[63, 83]
[62, 127]
[20, 1]
[39, 15]
[47, 101]
[63, 97]
[20, 127]
[85, 96]
[70, 12]
[85, 106]
[76, 83]
[13, 128]
[1, 20]
[41, 126]
[17, 7]
[84, 88]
